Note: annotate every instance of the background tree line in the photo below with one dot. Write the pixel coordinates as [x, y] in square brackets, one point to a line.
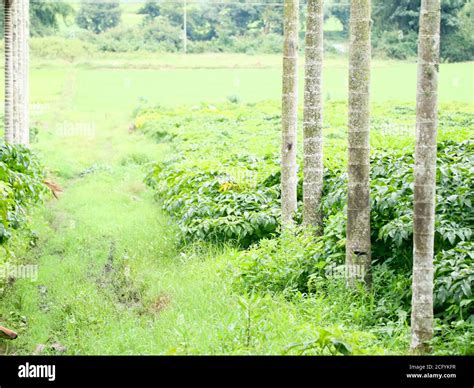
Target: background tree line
[44, 17]
[244, 27]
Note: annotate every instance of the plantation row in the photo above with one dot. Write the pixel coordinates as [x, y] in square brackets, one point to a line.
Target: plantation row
[233, 197]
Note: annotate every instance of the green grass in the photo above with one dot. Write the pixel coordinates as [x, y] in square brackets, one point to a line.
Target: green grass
[170, 79]
[176, 300]
[179, 85]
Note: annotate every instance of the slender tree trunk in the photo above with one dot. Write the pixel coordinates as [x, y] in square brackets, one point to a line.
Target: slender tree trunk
[16, 72]
[313, 117]
[358, 254]
[289, 111]
[425, 175]
[25, 130]
[8, 119]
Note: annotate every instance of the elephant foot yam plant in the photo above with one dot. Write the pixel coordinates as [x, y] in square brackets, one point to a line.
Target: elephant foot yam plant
[211, 206]
[291, 263]
[221, 197]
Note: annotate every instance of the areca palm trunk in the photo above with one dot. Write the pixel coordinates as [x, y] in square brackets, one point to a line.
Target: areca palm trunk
[8, 34]
[425, 175]
[16, 14]
[313, 118]
[358, 249]
[25, 54]
[289, 111]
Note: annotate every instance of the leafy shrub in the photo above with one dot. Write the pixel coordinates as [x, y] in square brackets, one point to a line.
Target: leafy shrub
[453, 338]
[159, 35]
[392, 201]
[454, 276]
[98, 17]
[217, 200]
[326, 342]
[21, 185]
[396, 45]
[459, 46]
[289, 263]
[291, 266]
[60, 48]
[392, 215]
[212, 206]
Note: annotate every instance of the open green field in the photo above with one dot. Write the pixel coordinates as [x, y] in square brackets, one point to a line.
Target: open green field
[169, 79]
[109, 89]
[112, 278]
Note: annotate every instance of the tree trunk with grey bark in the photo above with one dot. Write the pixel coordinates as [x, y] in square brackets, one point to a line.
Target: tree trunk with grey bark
[313, 119]
[25, 55]
[289, 112]
[425, 175]
[17, 92]
[358, 249]
[8, 47]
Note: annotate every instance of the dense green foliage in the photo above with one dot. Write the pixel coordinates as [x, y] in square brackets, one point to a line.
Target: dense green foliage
[225, 201]
[21, 185]
[213, 200]
[211, 205]
[396, 24]
[250, 28]
[245, 28]
[44, 17]
[98, 17]
[235, 196]
[391, 226]
[210, 28]
[209, 21]
[158, 35]
[454, 279]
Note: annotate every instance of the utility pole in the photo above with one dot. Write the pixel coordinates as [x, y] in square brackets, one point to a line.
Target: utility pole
[185, 26]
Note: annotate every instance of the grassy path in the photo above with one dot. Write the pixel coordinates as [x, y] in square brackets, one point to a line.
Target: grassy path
[110, 277]
[110, 280]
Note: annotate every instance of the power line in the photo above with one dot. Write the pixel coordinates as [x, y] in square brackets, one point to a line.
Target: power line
[159, 2]
[346, 5]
